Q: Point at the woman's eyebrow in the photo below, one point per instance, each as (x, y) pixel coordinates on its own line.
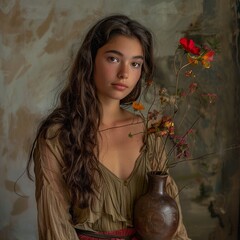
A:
(120, 54)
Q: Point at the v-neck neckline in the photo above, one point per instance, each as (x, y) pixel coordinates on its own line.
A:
(126, 180)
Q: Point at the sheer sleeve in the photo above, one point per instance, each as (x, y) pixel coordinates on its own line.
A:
(52, 196)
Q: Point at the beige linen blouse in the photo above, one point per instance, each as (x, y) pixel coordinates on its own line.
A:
(113, 207)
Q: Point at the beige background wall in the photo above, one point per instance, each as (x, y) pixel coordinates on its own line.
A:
(36, 44)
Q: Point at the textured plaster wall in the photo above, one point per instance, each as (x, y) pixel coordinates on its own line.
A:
(37, 40)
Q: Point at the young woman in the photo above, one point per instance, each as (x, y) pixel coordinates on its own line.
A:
(88, 171)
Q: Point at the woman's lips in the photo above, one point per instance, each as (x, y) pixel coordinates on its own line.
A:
(119, 86)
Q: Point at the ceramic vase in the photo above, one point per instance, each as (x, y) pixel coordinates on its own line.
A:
(156, 214)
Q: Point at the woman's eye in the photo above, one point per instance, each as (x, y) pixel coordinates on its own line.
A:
(113, 59)
(136, 64)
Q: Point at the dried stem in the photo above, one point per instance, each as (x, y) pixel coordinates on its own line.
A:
(204, 156)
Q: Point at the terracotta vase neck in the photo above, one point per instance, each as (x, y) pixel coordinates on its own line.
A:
(157, 182)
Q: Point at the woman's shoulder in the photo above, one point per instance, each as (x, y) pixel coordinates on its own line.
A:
(49, 136)
(53, 131)
(50, 140)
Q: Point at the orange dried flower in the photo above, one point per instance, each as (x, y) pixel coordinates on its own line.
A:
(137, 106)
(207, 58)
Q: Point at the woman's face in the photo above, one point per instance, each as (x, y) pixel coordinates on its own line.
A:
(118, 67)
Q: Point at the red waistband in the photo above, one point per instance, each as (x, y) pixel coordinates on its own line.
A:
(128, 233)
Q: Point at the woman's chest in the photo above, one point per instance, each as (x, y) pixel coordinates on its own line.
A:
(118, 151)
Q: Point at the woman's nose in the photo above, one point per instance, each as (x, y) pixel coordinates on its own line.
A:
(123, 72)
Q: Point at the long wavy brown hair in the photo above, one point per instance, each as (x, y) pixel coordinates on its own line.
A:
(78, 113)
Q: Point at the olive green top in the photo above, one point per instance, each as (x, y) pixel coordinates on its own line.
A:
(111, 210)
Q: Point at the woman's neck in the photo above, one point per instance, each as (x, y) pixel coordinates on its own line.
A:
(113, 115)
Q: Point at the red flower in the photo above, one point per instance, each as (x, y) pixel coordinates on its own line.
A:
(182, 147)
(183, 93)
(189, 46)
(193, 87)
(149, 82)
(189, 73)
